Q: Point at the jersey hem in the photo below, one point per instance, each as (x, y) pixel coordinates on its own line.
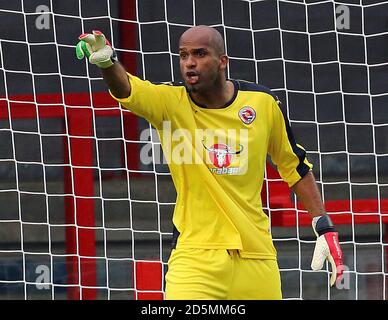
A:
(228, 246)
(192, 245)
(259, 256)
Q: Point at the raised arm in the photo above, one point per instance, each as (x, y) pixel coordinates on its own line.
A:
(143, 98)
(99, 52)
(117, 80)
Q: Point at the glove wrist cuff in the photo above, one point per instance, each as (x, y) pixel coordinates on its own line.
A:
(110, 62)
(322, 225)
(105, 64)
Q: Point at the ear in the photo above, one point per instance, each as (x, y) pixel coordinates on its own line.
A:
(224, 60)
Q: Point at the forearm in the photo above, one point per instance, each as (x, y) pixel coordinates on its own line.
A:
(308, 194)
(327, 245)
(117, 80)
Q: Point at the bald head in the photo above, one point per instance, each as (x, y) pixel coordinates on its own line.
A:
(203, 35)
(202, 60)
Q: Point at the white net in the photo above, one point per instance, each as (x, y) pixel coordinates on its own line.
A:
(86, 200)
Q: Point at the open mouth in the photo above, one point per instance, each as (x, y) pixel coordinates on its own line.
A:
(192, 77)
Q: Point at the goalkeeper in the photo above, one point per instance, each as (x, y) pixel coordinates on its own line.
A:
(222, 246)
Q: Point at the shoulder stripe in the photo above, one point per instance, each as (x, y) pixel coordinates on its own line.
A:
(251, 86)
(171, 83)
(302, 167)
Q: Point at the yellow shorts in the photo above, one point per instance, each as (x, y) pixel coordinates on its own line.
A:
(220, 274)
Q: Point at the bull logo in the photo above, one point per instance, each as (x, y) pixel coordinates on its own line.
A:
(221, 155)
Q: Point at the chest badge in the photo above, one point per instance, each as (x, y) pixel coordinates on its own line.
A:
(247, 115)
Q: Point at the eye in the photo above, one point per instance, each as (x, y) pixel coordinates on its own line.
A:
(201, 53)
(183, 55)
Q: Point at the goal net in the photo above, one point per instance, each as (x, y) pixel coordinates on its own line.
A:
(86, 200)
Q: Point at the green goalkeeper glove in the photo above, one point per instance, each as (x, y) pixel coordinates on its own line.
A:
(96, 48)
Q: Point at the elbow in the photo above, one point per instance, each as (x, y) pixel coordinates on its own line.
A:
(121, 93)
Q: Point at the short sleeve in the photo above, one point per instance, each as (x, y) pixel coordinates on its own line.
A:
(146, 100)
(289, 157)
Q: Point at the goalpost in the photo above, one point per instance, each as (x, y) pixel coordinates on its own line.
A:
(86, 200)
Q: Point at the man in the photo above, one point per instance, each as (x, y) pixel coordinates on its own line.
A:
(222, 243)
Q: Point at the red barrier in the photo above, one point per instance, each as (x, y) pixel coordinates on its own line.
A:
(149, 277)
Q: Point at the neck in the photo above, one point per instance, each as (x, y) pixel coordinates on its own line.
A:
(216, 96)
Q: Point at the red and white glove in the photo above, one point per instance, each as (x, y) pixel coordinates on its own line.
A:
(327, 247)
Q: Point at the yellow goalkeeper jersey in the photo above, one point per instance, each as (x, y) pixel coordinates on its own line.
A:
(217, 159)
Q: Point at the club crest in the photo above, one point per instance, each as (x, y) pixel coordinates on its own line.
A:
(247, 115)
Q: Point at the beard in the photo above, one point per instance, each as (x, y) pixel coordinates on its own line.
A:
(191, 88)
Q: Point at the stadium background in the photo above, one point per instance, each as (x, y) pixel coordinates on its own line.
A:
(87, 224)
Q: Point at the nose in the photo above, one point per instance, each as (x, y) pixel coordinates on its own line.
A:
(190, 61)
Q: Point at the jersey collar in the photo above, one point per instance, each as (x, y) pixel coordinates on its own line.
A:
(235, 84)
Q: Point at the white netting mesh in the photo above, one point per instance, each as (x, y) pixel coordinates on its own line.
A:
(86, 200)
